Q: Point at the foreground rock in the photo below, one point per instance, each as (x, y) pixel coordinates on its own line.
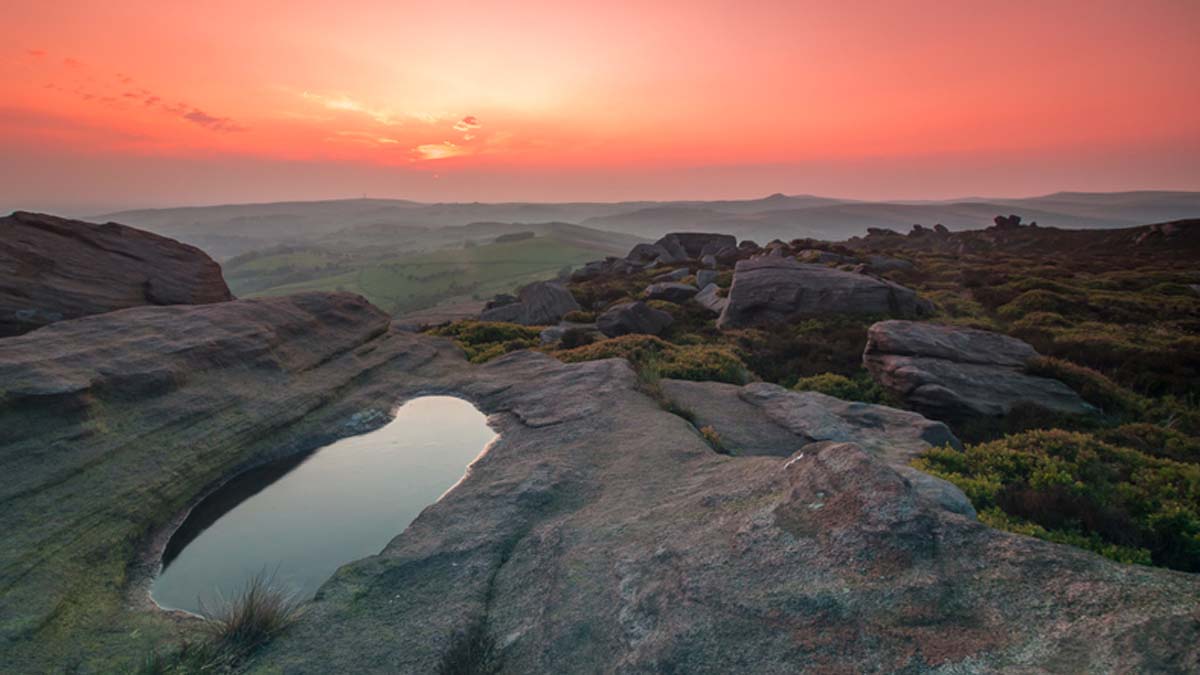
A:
(955, 373)
(538, 304)
(53, 269)
(633, 317)
(775, 289)
(599, 533)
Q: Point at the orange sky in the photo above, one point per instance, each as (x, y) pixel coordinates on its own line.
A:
(132, 103)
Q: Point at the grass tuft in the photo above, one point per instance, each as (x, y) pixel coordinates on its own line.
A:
(258, 612)
(232, 631)
(472, 651)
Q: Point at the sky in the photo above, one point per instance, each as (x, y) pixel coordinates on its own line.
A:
(149, 103)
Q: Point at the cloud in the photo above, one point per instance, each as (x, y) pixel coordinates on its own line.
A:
(210, 122)
(96, 92)
(467, 124)
(347, 104)
(366, 137)
(35, 53)
(442, 150)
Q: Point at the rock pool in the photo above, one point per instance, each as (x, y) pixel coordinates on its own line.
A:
(299, 520)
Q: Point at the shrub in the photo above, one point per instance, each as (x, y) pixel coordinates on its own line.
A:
(580, 316)
(1155, 440)
(1077, 487)
(1091, 385)
(784, 353)
(1040, 300)
(485, 340)
(860, 388)
(682, 362)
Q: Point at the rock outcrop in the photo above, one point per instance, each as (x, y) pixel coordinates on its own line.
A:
(678, 247)
(538, 304)
(599, 533)
(53, 269)
(699, 244)
(955, 373)
(778, 289)
(633, 317)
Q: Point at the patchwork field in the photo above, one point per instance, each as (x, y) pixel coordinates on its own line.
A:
(409, 282)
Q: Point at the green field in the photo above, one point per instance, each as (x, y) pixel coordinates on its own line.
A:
(409, 282)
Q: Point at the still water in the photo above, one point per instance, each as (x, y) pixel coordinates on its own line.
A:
(299, 520)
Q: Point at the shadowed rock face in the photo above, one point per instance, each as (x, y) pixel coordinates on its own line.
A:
(633, 317)
(53, 269)
(778, 289)
(955, 373)
(599, 533)
(538, 304)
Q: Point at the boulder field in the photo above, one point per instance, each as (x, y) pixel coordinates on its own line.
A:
(54, 268)
(599, 533)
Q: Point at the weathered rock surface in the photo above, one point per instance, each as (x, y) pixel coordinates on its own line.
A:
(710, 298)
(599, 533)
(538, 304)
(673, 275)
(54, 268)
(671, 292)
(633, 317)
(955, 373)
(777, 289)
(705, 277)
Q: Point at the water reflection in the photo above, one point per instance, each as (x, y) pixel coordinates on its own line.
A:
(302, 519)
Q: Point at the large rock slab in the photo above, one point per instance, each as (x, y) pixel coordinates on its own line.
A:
(541, 303)
(774, 289)
(53, 269)
(598, 533)
(954, 373)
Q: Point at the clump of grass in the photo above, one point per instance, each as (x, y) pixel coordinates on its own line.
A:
(232, 630)
(252, 617)
(713, 438)
(472, 651)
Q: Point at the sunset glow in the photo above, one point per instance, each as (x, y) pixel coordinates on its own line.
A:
(106, 103)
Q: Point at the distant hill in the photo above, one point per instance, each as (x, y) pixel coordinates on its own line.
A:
(225, 231)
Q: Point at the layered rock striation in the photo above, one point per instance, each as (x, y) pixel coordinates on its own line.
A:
(53, 269)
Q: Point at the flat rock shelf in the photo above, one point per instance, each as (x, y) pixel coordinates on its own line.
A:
(299, 519)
